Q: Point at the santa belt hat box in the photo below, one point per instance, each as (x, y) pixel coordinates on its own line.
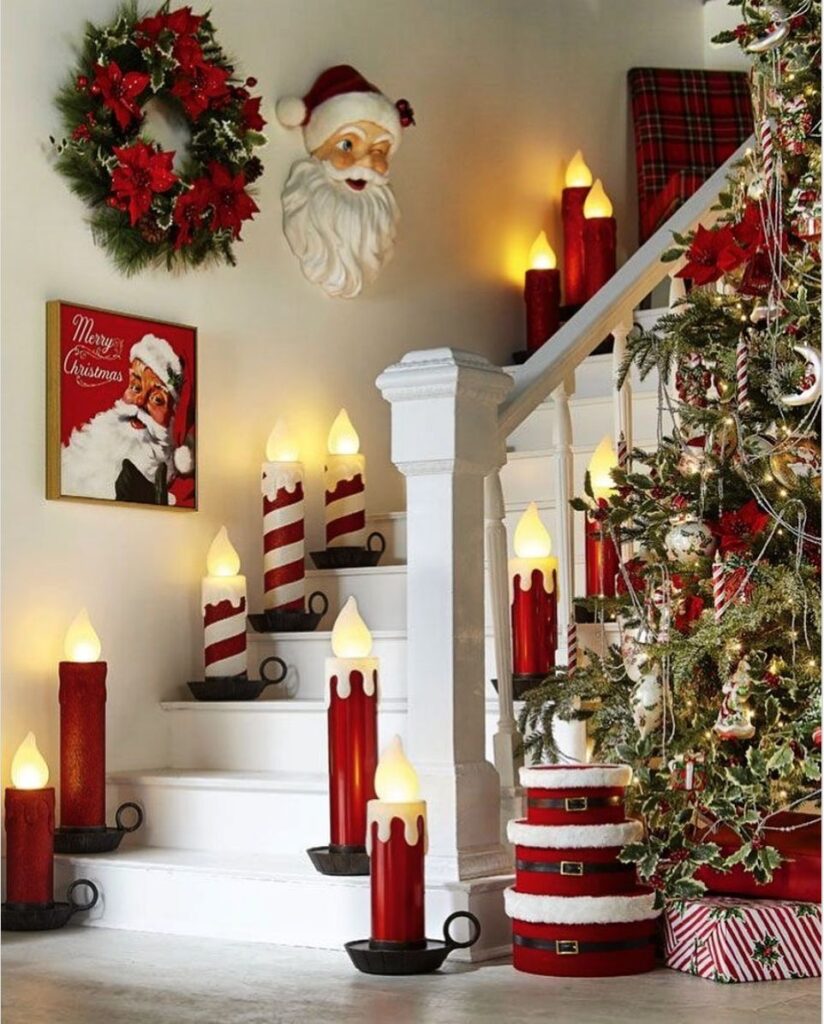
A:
(591, 794)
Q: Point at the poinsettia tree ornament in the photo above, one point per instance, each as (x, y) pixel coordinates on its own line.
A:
(144, 210)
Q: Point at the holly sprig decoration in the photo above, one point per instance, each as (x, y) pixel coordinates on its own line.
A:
(148, 206)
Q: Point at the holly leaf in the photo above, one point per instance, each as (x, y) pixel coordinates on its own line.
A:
(781, 760)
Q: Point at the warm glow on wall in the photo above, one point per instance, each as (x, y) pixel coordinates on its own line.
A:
(281, 445)
(532, 538)
(603, 461)
(222, 559)
(343, 438)
(578, 175)
(82, 643)
(597, 202)
(28, 767)
(350, 636)
(396, 781)
(542, 255)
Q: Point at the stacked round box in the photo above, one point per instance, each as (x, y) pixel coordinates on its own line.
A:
(576, 910)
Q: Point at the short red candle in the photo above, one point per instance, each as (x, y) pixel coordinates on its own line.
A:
(572, 218)
(600, 236)
(534, 624)
(82, 697)
(601, 556)
(397, 883)
(30, 845)
(542, 295)
(353, 747)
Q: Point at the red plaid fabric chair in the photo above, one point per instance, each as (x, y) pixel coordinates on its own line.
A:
(686, 125)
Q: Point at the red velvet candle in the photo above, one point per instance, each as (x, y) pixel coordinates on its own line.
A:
(29, 828)
(397, 846)
(534, 598)
(542, 295)
(352, 680)
(601, 558)
(599, 239)
(572, 219)
(82, 697)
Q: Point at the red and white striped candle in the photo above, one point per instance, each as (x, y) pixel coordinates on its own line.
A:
(284, 586)
(719, 592)
(623, 454)
(742, 371)
(345, 486)
(223, 601)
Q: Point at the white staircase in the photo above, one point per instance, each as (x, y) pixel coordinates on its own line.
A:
(243, 791)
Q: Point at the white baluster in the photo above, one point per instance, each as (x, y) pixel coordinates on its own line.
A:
(677, 290)
(507, 740)
(570, 737)
(622, 397)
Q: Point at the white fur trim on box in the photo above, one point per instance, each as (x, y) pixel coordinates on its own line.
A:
(330, 116)
(574, 837)
(524, 906)
(589, 776)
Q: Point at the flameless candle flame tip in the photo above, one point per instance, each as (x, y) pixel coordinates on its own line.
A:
(597, 203)
(542, 255)
(343, 438)
(222, 559)
(281, 446)
(396, 781)
(578, 175)
(28, 767)
(350, 636)
(603, 461)
(82, 642)
(532, 538)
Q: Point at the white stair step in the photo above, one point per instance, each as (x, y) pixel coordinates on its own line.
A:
(379, 590)
(259, 898)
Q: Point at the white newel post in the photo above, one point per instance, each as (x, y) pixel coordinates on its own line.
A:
(445, 442)
(570, 737)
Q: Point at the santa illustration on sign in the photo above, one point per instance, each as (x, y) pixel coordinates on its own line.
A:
(135, 450)
(339, 213)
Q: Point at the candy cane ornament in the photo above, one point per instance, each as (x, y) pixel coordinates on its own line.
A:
(284, 583)
(742, 361)
(718, 588)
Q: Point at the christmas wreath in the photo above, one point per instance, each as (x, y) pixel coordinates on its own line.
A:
(146, 208)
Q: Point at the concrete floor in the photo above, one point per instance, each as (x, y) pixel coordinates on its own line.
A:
(91, 975)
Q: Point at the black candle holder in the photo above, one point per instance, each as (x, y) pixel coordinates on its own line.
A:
(350, 557)
(44, 917)
(97, 839)
(523, 682)
(409, 957)
(340, 860)
(223, 688)
(291, 621)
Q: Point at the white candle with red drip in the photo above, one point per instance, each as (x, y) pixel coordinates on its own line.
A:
(534, 596)
(396, 842)
(284, 580)
(345, 486)
(223, 601)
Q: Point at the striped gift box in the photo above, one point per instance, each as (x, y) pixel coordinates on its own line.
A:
(728, 939)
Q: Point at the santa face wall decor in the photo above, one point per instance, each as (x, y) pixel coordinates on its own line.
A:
(340, 216)
(121, 408)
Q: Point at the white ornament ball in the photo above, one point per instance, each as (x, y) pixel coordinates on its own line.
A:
(634, 651)
(688, 539)
(647, 704)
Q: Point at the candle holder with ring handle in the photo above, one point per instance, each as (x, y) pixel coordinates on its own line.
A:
(273, 621)
(43, 917)
(97, 839)
(223, 688)
(350, 557)
(408, 957)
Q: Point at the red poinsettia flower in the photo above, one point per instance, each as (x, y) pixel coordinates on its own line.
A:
(141, 172)
(251, 114)
(749, 231)
(182, 22)
(635, 567)
(232, 203)
(736, 530)
(189, 210)
(711, 255)
(188, 53)
(687, 609)
(199, 86)
(120, 91)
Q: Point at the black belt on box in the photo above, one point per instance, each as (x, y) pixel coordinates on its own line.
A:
(574, 803)
(572, 868)
(572, 947)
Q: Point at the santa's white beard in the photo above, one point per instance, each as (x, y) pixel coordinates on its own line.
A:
(93, 458)
(341, 237)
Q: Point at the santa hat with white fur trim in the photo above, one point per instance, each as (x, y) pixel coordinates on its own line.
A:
(167, 366)
(341, 95)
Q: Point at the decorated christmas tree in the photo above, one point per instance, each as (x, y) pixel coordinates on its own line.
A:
(713, 692)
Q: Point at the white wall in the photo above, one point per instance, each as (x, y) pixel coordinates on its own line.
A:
(719, 17)
(504, 93)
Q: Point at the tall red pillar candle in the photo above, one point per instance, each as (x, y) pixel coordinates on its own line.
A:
(352, 694)
(601, 554)
(534, 604)
(600, 239)
(29, 828)
(578, 181)
(284, 587)
(397, 844)
(82, 699)
(542, 294)
(345, 486)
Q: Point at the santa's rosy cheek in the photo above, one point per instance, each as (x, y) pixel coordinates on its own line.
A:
(340, 160)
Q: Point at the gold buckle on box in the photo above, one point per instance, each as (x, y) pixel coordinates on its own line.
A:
(566, 947)
(575, 803)
(572, 867)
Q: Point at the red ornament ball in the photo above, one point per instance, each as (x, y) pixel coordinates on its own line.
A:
(82, 82)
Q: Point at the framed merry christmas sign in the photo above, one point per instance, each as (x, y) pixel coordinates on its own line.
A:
(121, 414)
